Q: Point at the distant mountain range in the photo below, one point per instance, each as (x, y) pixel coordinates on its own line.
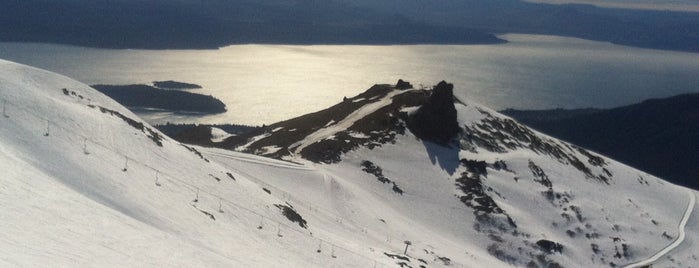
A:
(159, 24)
(660, 136)
(640, 28)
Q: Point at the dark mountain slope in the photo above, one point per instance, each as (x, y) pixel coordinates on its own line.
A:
(159, 24)
(640, 28)
(148, 97)
(283, 139)
(370, 119)
(660, 136)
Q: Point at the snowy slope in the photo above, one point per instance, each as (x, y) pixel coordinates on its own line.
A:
(684, 254)
(66, 199)
(503, 190)
(104, 189)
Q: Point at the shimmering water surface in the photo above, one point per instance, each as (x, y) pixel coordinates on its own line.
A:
(262, 84)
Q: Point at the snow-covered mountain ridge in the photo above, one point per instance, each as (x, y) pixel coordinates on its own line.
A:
(86, 183)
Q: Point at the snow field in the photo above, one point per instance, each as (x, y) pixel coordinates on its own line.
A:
(96, 191)
(83, 158)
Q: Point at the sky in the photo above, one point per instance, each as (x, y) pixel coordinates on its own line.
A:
(675, 5)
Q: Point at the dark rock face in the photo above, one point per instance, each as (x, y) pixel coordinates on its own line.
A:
(501, 135)
(436, 120)
(549, 246)
(291, 214)
(371, 168)
(403, 84)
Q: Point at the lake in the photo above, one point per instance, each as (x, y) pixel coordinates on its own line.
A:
(262, 84)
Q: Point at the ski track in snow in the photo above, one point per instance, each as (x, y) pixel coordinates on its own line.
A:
(285, 195)
(266, 162)
(680, 238)
(345, 123)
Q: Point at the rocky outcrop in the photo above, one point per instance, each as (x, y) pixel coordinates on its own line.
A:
(403, 85)
(436, 120)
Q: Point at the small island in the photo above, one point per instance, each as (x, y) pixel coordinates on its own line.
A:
(170, 84)
(149, 97)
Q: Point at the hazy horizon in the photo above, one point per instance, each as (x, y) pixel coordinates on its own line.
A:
(673, 5)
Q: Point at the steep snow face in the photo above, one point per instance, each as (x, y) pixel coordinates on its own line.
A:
(85, 182)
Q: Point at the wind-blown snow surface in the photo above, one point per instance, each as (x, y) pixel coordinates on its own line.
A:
(103, 189)
(66, 201)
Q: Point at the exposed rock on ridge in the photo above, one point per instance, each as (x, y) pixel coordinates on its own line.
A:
(436, 119)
